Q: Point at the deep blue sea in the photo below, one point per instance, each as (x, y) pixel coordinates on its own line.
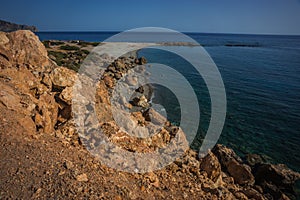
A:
(262, 82)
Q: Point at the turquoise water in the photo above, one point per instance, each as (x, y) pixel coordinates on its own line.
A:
(262, 81)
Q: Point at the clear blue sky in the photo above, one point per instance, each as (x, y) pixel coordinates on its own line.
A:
(211, 16)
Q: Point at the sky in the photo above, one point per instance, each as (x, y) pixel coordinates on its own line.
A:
(208, 16)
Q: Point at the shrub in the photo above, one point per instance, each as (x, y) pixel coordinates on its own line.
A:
(69, 48)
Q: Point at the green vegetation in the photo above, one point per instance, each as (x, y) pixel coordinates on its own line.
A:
(84, 44)
(49, 43)
(56, 42)
(85, 51)
(59, 57)
(69, 48)
(71, 60)
(46, 43)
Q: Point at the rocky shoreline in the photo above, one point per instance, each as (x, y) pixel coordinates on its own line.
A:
(43, 156)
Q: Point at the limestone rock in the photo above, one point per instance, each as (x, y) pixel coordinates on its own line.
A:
(23, 47)
(210, 164)
(276, 178)
(3, 38)
(62, 77)
(240, 172)
(140, 102)
(66, 95)
(49, 109)
(252, 194)
(141, 61)
(82, 178)
(233, 164)
(109, 81)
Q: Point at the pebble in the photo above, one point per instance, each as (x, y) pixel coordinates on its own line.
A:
(82, 178)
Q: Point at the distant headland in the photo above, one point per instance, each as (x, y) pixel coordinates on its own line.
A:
(9, 27)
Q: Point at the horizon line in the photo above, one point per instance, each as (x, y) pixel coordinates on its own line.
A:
(187, 32)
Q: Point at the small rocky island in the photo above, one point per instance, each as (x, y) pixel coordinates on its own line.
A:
(42, 156)
(9, 27)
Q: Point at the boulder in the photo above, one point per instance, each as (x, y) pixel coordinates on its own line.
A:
(233, 165)
(62, 77)
(210, 164)
(276, 178)
(154, 117)
(23, 47)
(140, 61)
(240, 172)
(119, 66)
(140, 102)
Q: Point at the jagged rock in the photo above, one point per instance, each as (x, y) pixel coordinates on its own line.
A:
(240, 195)
(152, 116)
(47, 81)
(119, 65)
(276, 178)
(66, 95)
(240, 172)
(49, 109)
(3, 38)
(210, 164)
(232, 164)
(252, 194)
(24, 47)
(62, 77)
(10, 100)
(140, 61)
(140, 102)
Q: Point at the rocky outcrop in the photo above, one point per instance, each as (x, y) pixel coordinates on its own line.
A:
(276, 180)
(232, 164)
(210, 164)
(9, 27)
(23, 48)
(23, 62)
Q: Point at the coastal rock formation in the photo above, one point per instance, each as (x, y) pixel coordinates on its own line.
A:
(23, 48)
(42, 156)
(234, 165)
(211, 165)
(9, 27)
(276, 179)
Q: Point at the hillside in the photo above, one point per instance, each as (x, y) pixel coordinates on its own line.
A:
(9, 27)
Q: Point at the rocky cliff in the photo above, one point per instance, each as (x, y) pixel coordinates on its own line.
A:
(42, 156)
(9, 27)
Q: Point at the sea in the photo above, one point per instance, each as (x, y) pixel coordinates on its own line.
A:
(261, 75)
